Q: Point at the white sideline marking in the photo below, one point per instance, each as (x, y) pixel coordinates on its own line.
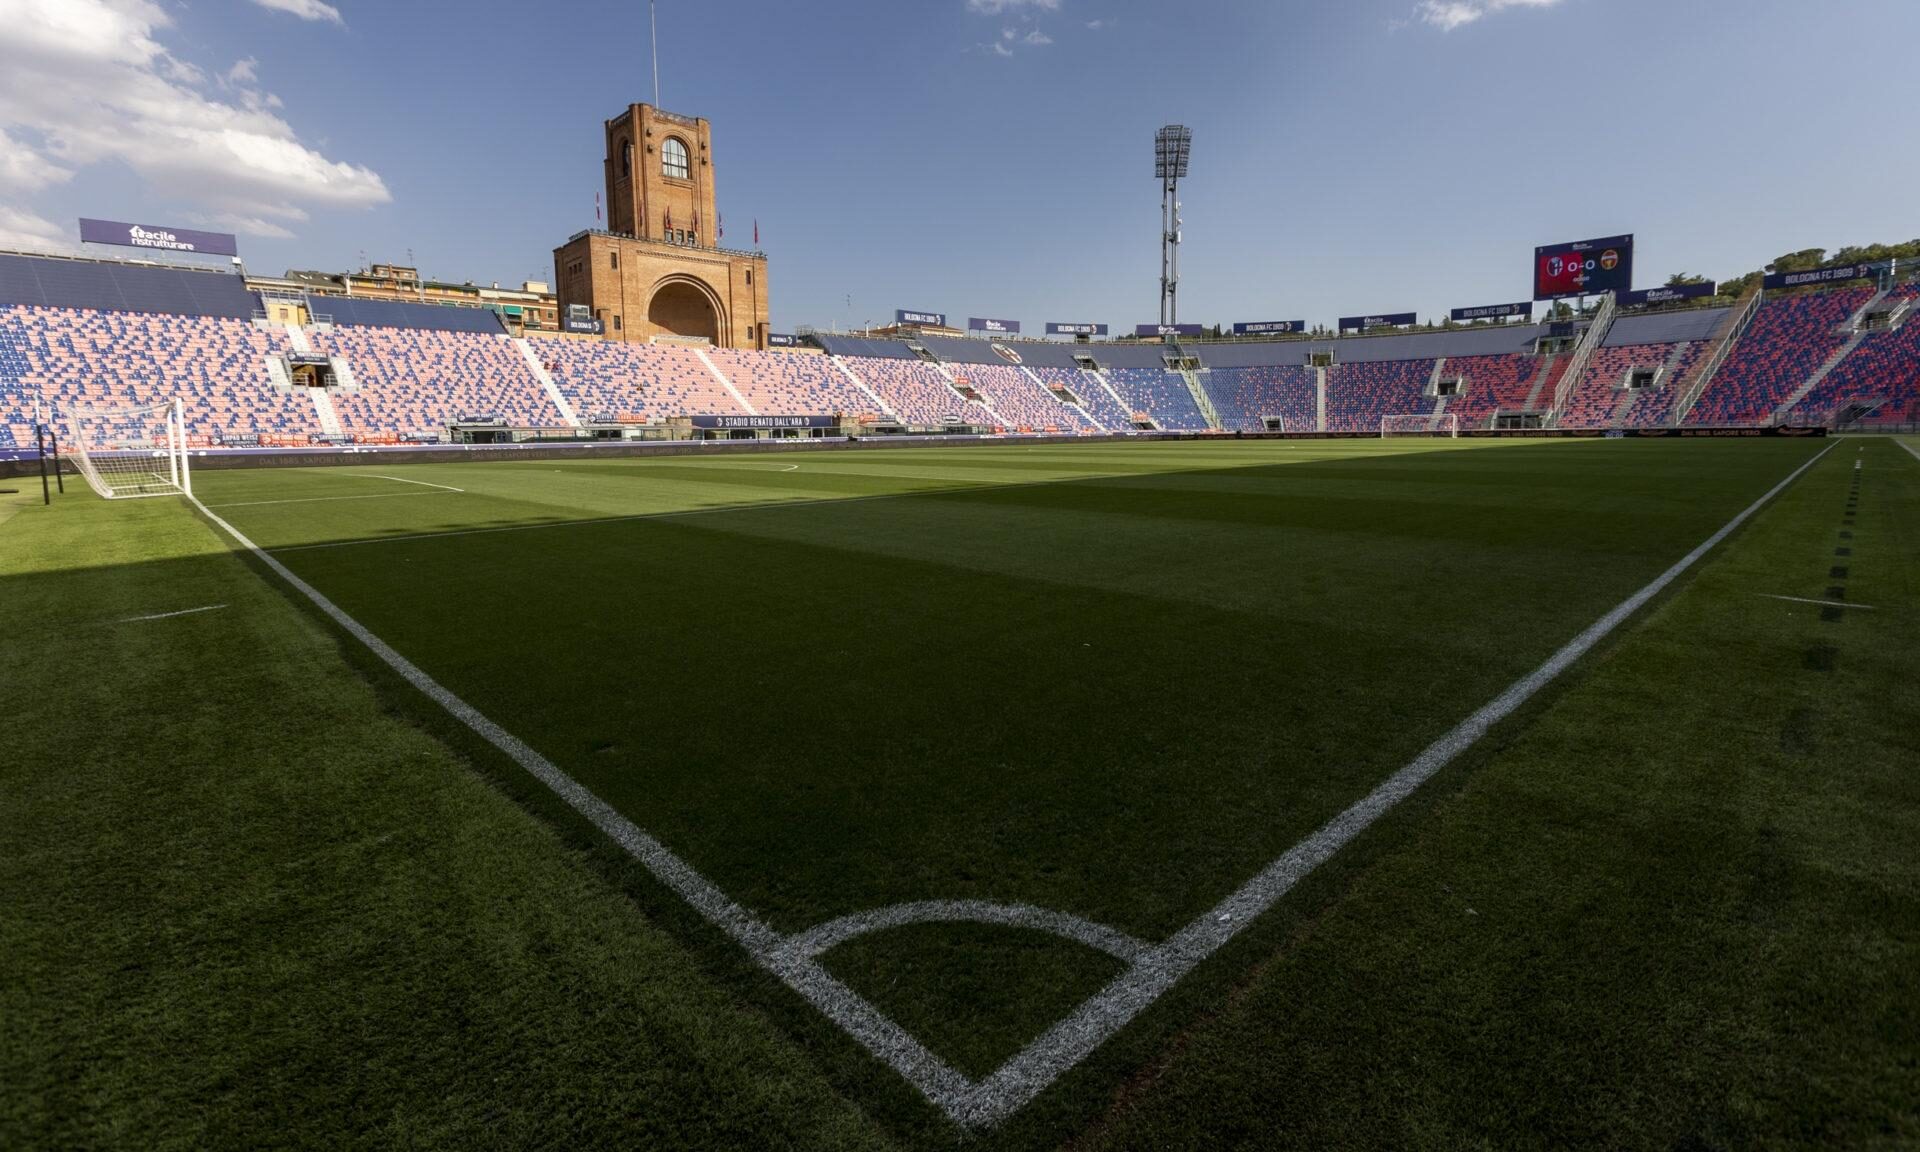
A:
(787, 467)
(171, 615)
(325, 499)
(1152, 969)
(1908, 447)
(1822, 603)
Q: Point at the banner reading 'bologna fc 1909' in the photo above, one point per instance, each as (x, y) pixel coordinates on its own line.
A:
(1583, 268)
(1779, 280)
(1055, 328)
(164, 239)
(1492, 312)
(1269, 327)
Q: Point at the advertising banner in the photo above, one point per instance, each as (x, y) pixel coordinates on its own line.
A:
(163, 239)
(1269, 327)
(1391, 320)
(1493, 311)
(999, 327)
(1057, 329)
(1168, 330)
(924, 319)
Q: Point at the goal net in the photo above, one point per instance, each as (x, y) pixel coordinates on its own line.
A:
(127, 452)
(1420, 424)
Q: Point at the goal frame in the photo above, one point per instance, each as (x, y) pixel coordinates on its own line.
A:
(174, 477)
(1421, 424)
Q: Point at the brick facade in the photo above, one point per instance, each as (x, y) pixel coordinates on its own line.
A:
(657, 269)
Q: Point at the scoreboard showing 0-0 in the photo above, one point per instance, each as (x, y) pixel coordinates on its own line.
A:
(1586, 268)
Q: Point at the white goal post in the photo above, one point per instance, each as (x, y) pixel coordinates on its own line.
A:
(1420, 424)
(129, 452)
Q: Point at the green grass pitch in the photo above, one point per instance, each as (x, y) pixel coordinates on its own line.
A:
(259, 885)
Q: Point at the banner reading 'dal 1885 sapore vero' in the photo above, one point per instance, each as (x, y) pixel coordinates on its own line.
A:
(163, 239)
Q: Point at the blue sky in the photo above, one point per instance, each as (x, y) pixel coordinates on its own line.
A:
(986, 157)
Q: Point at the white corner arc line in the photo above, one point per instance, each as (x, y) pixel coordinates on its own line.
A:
(1821, 603)
(1152, 972)
(171, 615)
(824, 937)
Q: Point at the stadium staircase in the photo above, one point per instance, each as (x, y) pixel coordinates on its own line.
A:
(1319, 399)
(1734, 326)
(1820, 375)
(1590, 343)
(1065, 397)
(878, 403)
(1201, 400)
(545, 377)
(1105, 385)
(1540, 381)
(724, 382)
(1433, 390)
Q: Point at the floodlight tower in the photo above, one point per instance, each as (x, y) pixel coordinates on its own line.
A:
(1172, 146)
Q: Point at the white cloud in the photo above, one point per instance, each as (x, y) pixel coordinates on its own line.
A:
(22, 229)
(1447, 15)
(88, 82)
(985, 7)
(1037, 38)
(305, 9)
(1096, 25)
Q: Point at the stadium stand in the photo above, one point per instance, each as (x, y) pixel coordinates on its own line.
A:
(1883, 373)
(1246, 397)
(76, 358)
(1491, 384)
(792, 384)
(1358, 395)
(632, 383)
(417, 381)
(1598, 398)
(917, 392)
(1085, 387)
(108, 286)
(401, 314)
(1161, 394)
(1025, 406)
(1788, 341)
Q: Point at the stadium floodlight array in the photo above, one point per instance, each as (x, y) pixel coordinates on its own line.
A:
(130, 452)
(1420, 424)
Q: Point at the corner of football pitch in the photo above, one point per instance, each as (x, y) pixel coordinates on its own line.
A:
(1338, 794)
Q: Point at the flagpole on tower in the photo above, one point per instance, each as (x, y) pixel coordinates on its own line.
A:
(653, 23)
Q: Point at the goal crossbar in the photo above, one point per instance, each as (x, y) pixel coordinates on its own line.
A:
(125, 453)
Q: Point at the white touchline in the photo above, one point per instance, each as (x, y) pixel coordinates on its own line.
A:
(1909, 448)
(1822, 603)
(171, 615)
(1152, 969)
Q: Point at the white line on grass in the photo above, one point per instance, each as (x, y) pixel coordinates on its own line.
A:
(326, 499)
(1908, 447)
(402, 480)
(1822, 603)
(1152, 971)
(171, 615)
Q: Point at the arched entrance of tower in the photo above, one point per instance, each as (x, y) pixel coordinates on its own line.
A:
(684, 308)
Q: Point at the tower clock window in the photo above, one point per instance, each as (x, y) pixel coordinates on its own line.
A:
(673, 158)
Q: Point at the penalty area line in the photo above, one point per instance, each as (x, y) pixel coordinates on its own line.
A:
(171, 615)
(1821, 603)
